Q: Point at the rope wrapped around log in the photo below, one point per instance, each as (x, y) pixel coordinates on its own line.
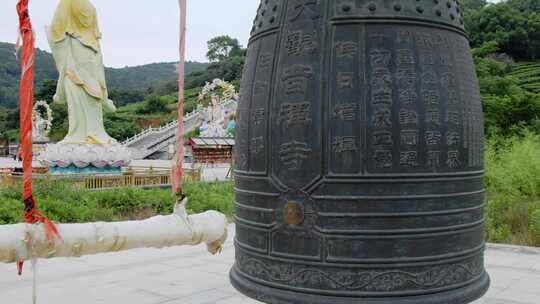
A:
(28, 241)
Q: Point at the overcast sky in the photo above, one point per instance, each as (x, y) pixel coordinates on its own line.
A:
(138, 32)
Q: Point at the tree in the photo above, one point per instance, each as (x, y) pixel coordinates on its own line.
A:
(47, 91)
(474, 4)
(516, 31)
(154, 104)
(529, 6)
(223, 47)
(9, 120)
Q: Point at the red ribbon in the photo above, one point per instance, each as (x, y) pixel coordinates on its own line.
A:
(178, 169)
(26, 103)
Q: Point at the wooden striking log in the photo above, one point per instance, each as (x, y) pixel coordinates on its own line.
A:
(26, 241)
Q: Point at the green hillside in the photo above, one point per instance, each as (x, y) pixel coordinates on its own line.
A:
(10, 73)
(527, 75)
(140, 78)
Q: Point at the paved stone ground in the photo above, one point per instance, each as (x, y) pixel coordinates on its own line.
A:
(189, 275)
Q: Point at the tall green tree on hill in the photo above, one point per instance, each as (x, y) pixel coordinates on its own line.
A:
(227, 59)
(513, 25)
(222, 48)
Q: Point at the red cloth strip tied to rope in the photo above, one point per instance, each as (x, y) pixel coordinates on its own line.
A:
(26, 99)
(177, 171)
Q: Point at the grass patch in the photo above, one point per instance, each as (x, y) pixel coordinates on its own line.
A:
(65, 205)
(513, 184)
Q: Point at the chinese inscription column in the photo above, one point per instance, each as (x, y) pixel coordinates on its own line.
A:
(297, 100)
(346, 103)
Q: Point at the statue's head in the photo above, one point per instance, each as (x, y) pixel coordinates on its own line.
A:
(77, 18)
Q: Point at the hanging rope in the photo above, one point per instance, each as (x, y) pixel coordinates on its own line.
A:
(26, 98)
(178, 169)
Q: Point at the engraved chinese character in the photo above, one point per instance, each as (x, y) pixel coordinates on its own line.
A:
(409, 137)
(433, 159)
(429, 78)
(408, 159)
(309, 42)
(433, 117)
(296, 79)
(299, 43)
(404, 36)
(258, 115)
(433, 138)
(346, 49)
(265, 60)
(257, 145)
(346, 111)
(295, 113)
(408, 117)
(430, 97)
(453, 117)
(453, 97)
(344, 144)
(407, 96)
(381, 79)
(294, 43)
(452, 138)
(345, 80)
(383, 159)
(453, 160)
(441, 40)
(380, 57)
(445, 60)
(427, 58)
(382, 119)
(405, 56)
(304, 6)
(383, 138)
(448, 80)
(382, 97)
(406, 77)
(425, 40)
(293, 154)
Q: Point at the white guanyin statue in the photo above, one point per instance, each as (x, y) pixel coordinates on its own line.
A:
(41, 126)
(215, 125)
(74, 40)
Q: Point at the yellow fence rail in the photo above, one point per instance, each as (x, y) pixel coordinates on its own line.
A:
(130, 179)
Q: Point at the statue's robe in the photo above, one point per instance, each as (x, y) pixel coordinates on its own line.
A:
(74, 40)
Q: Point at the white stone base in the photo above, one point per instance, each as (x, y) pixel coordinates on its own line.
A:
(85, 155)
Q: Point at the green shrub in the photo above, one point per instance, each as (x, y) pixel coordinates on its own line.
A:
(513, 166)
(513, 184)
(64, 204)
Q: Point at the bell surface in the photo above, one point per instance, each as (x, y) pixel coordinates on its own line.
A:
(359, 156)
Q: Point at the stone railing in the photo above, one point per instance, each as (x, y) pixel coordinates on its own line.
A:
(130, 179)
(153, 140)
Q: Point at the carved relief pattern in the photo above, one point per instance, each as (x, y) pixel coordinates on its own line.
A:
(421, 278)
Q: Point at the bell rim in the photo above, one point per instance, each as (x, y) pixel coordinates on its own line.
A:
(271, 295)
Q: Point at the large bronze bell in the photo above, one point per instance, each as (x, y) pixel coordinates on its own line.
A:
(359, 158)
